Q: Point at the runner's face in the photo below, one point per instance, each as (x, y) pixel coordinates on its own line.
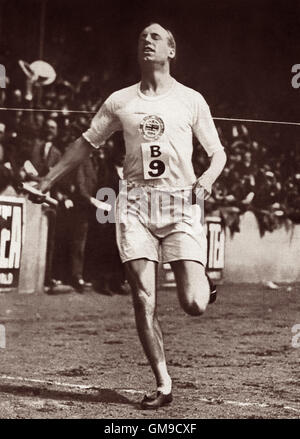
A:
(154, 45)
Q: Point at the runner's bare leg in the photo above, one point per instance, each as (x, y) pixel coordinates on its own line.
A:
(142, 276)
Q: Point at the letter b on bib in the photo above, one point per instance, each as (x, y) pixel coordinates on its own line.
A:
(155, 160)
(155, 150)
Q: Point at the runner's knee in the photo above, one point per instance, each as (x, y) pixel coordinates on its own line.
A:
(141, 293)
(143, 302)
(142, 290)
(143, 299)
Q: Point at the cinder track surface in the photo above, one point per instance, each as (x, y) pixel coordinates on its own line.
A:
(78, 356)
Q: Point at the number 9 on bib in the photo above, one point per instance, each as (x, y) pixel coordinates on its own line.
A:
(155, 160)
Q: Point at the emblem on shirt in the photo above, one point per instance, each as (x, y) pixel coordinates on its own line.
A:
(152, 127)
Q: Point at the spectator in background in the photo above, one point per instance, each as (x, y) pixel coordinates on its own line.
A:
(62, 235)
(2, 137)
(39, 121)
(86, 185)
(104, 264)
(5, 174)
(44, 152)
(5, 168)
(113, 274)
(44, 155)
(18, 151)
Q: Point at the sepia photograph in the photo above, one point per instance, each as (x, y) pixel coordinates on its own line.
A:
(149, 212)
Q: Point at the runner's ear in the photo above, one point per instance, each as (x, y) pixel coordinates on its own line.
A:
(172, 53)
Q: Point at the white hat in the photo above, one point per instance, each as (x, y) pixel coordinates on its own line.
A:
(39, 71)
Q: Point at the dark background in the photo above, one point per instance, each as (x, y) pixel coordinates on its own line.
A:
(237, 53)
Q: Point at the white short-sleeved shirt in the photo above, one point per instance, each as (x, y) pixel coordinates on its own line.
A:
(157, 132)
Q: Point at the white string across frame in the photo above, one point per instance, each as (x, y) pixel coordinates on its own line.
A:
(66, 112)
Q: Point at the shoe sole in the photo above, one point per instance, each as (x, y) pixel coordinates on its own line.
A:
(144, 405)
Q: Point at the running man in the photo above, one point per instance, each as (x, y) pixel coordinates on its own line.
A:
(158, 117)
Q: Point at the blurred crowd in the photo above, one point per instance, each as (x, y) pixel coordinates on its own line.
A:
(31, 142)
(262, 174)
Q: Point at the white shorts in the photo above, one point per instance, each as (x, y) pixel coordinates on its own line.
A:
(160, 225)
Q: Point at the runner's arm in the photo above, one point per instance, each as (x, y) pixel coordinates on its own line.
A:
(218, 161)
(74, 155)
(206, 132)
(103, 125)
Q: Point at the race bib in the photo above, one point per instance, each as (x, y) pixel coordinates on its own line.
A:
(155, 160)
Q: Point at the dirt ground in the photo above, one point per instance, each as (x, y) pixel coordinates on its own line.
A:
(78, 356)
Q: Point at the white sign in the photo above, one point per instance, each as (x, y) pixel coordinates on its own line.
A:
(11, 238)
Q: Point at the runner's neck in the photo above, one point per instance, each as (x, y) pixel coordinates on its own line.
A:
(156, 83)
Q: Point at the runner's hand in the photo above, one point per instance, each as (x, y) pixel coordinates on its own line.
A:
(36, 199)
(44, 185)
(36, 196)
(203, 187)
